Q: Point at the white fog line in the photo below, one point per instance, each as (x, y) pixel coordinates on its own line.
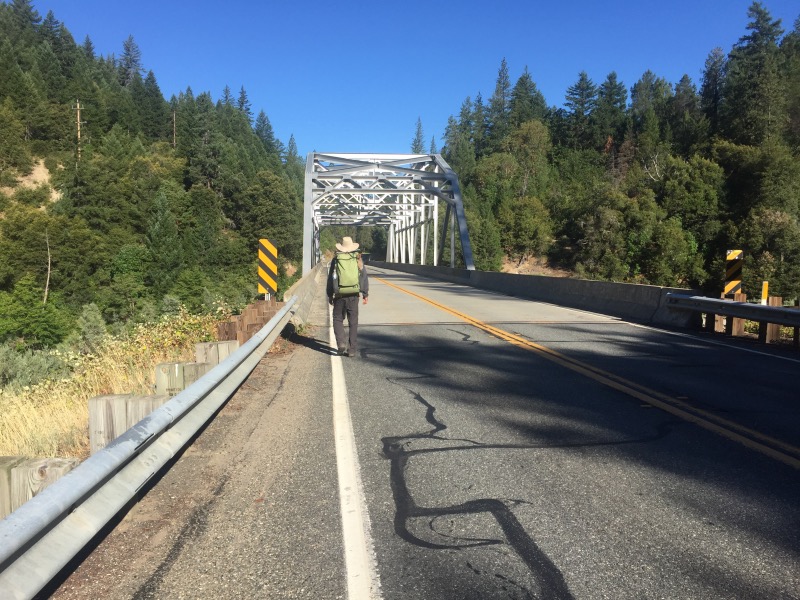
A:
(362, 574)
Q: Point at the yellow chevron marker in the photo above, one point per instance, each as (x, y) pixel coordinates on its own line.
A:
(267, 267)
(733, 271)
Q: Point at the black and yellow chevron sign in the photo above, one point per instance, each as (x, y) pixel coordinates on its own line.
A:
(733, 272)
(267, 267)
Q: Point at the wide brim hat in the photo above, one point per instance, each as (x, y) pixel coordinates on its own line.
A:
(347, 245)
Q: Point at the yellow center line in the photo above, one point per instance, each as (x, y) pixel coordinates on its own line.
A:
(750, 438)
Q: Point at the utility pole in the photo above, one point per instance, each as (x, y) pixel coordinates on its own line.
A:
(77, 109)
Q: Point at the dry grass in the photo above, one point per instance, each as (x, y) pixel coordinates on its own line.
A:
(51, 419)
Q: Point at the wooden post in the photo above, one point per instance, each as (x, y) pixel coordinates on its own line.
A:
(733, 325)
(173, 378)
(7, 463)
(32, 475)
(112, 415)
(774, 329)
(214, 353)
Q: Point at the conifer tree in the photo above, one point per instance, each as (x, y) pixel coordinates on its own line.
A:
(711, 88)
(227, 97)
(243, 104)
(609, 115)
(479, 126)
(418, 143)
(263, 129)
(499, 106)
(790, 49)
(685, 118)
(580, 101)
(527, 102)
(130, 65)
(754, 108)
(154, 109)
(88, 48)
(25, 19)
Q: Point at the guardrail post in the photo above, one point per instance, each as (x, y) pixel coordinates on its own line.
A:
(214, 353)
(173, 378)
(769, 333)
(29, 476)
(112, 415)
(734, 326)
(7, 463)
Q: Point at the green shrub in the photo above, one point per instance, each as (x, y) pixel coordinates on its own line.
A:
(29, 367)
(36, 197)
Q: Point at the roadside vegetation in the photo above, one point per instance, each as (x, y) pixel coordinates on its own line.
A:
(44, 394)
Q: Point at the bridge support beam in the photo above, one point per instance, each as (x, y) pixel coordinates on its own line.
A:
(402, 192)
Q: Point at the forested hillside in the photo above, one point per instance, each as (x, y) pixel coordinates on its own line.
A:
(149, 204)
(649, 187)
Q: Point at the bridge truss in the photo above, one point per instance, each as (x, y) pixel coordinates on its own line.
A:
(403, 192)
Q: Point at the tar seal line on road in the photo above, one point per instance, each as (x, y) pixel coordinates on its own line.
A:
(362, 575)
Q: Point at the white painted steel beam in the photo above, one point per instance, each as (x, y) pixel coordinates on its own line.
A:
(403, 192)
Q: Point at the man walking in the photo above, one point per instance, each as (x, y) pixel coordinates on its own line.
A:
(347, 279)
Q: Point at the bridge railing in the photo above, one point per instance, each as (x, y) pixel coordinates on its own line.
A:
(759, 313)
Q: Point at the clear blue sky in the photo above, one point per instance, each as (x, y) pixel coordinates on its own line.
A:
(354, 76)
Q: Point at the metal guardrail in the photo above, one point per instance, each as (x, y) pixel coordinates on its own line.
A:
(43, 535)
(779, 315)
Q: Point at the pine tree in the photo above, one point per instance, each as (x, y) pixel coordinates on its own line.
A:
(479, 126)
(154, 110)
(418, 143)
(580, 101)
(790, 49)
(263, 129)
(498, 123)
(295, 166)
(130, 65)
(527, 103)
(685, 117)
(711, 88)
(243, 104)
(88, 48)
(609, 114)
(25, 21)
(466, 124)
(227, 97)
(48, 29)
(754, 108)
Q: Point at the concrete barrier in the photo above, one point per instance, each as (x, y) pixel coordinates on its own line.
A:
(632, 302)
(305, 289)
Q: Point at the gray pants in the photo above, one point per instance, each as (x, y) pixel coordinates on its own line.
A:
(347, 305)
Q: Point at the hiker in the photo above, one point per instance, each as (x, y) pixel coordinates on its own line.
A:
(347, 279)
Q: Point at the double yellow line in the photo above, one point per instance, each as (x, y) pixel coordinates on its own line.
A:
(769, 446)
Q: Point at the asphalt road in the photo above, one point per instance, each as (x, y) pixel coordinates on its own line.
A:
(506, 449)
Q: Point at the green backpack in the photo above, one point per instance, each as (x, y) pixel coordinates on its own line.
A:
(347, 273)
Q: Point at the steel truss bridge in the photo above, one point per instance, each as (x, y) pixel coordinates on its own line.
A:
(405, 193)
